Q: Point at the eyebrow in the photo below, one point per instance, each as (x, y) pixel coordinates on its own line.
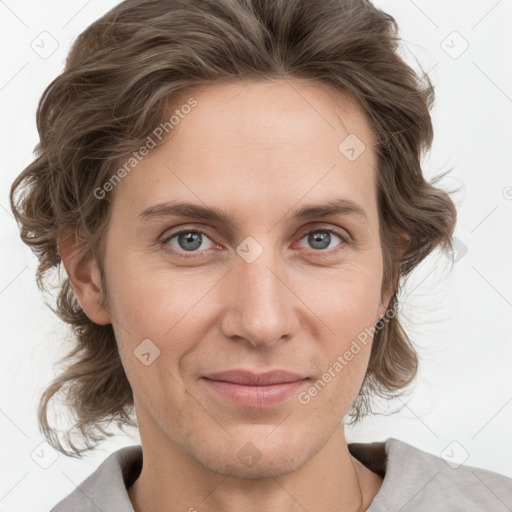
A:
(183, 209)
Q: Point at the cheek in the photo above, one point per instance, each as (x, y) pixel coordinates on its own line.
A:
(348, 307)
(152, 301)
(171, 309)
(349, 300)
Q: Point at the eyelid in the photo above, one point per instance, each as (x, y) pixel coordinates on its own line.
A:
(343, 234)
(318, 225)
(164, 239)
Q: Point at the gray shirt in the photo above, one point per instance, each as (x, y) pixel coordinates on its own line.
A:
(414, 481)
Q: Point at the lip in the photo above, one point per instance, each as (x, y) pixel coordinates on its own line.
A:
(249, 378)
(254, 390)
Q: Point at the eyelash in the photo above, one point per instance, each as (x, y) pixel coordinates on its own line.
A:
(198, 254)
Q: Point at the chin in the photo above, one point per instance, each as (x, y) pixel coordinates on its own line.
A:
(253, 456)
(270, 466)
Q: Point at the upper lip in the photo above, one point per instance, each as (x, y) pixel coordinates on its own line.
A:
(256, 379)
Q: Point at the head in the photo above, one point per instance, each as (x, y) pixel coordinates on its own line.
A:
(268, 109)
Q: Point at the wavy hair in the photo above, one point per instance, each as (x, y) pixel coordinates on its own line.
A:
(121, 75)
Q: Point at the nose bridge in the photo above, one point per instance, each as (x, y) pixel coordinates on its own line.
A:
(263, 303)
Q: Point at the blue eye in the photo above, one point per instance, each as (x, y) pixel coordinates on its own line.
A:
(320, 239)
(192, 241)
(188, 240)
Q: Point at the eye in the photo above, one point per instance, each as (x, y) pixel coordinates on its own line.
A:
(187, 240)
(322, 239)
(191, 243)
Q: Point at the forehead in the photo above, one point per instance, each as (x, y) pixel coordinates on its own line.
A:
(271, 118)
(260, 143)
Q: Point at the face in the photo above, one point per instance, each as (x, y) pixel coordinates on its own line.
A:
(259, 290)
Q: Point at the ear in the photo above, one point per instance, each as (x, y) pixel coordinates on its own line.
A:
(85, 278)
(403, 241)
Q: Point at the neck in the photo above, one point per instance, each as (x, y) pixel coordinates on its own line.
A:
(171, 480)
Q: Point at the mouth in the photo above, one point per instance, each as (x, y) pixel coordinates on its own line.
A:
(248, 389)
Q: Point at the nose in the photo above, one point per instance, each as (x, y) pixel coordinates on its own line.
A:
(262, 306)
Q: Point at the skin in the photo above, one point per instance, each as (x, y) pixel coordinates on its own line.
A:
(259, 151)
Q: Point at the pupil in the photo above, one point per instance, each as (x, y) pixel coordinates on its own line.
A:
(190, 241)
(320, 240)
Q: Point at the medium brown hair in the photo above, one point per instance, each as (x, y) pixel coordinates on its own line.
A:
(122, 74)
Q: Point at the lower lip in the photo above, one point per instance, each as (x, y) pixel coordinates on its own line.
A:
(255, 396)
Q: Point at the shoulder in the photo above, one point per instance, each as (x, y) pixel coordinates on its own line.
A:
(106, 488)
(418, 481)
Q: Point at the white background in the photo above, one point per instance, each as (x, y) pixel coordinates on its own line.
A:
(459, 319)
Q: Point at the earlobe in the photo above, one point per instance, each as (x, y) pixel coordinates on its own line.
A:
(85, 279)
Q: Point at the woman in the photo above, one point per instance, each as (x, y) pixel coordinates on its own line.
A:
(234, 189)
